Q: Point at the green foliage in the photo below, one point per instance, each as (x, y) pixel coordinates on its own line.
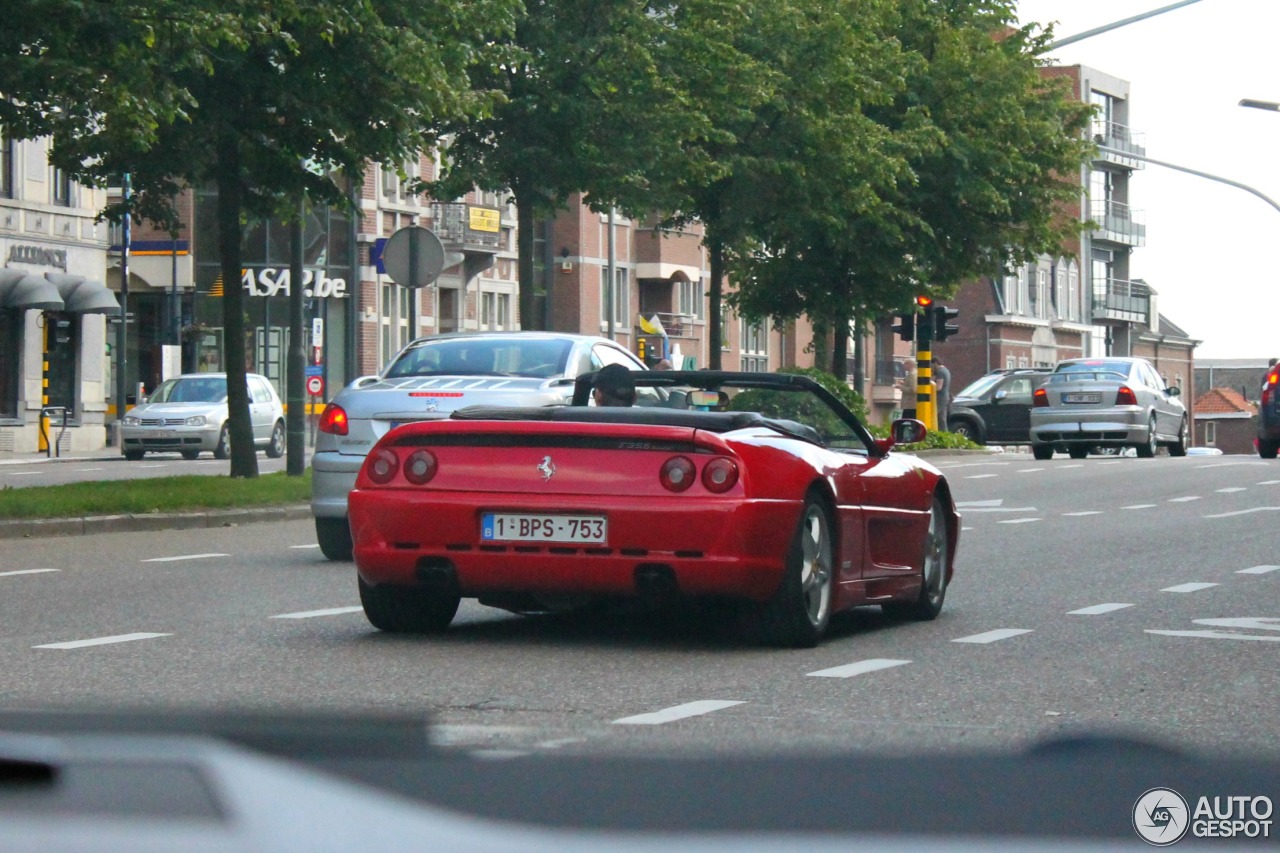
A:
(934, 440)
(843, 392)
(162, 494)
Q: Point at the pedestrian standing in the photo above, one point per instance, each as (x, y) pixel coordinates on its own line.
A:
(942, 384)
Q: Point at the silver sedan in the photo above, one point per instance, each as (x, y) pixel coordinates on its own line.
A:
(430, 378)
(1107, 402)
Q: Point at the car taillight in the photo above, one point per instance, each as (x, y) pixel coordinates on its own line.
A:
(1040, 399)
(1125, 396)
(677, 474)
(333, 420)
(720, 475)
(382, 466)
(420, 467)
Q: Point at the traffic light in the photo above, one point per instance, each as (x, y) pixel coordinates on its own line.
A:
(62, 331)
(942, 327)
(906, 326)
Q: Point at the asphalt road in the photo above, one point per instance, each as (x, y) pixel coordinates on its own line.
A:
(1115, 595)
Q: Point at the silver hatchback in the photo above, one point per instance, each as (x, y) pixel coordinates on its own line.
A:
(1091, 403)
(430, 378)
(187, 414)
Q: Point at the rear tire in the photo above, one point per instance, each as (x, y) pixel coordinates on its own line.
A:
(1267, 449)
(1042, 451)
(334, 536)
(136, 455)
(798, 613)
(933, 574)
(1179, 447)
(1077, 452)
(408, 609)
(190, 454)
(1147, 450)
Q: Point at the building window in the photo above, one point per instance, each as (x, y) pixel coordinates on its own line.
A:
(6, 166)
(755, 346)
(1210, 433)
(61, 188)
(394, 320)
(495, 310)
(1023, 362)
(621, 296)
(1073, 293)
(1010, 363)
(691, 300)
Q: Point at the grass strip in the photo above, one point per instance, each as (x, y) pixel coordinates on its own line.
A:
(160, 494)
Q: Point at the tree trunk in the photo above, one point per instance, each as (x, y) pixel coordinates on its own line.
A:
(529, 315)
(840, 351)
(715, 330)
(244, 458)
(821, 344)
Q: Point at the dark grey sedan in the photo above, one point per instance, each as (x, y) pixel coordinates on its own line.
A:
(1107, 402)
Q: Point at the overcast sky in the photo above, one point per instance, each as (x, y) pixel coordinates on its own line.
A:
(1211, 249)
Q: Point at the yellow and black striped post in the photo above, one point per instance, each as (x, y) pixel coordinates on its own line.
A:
(43, 445)
(926, 411)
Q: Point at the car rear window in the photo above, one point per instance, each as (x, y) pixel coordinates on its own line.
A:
(1095, 365)
(482, 356)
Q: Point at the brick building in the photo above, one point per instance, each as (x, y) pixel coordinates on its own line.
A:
(1225, 420)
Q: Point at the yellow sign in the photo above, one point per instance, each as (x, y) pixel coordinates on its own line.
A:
(484, 219)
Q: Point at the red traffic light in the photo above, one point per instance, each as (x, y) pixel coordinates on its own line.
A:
(924, 301)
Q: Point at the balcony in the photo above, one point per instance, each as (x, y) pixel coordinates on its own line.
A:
(1117, 300)
(1118, 223)
(677, 326)
(1121, 141)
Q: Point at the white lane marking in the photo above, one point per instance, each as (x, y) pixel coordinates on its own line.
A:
(1084, 512)
(1019, 520)
(307, 614)
(999, 509)
(863, 666)
(183, 557)
(21, 473)
(77, 470)
(1257, 570)
(27, 572)
(1230, 489)
(980, 476)
(1139, 506)
(1189, 587)
(994, 502)
(100, 641)
(1184, 500)
(1028, 470)
(299, 547)
(1229, 464)
(1097, 609)
(1110, 462)
(155, 465)
(993, 636)
(1065, 467)
(1245, 511)
(971, 465)
(965, 528)
(1269, 483)
(1216, 635)
(678, 712)
(1257, 623)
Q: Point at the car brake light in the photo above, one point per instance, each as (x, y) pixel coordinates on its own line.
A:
(1040, 399)
(420, 467)
(720, 475)
(382, 466)
(1125, 396)
(333, 420)
(677, 474)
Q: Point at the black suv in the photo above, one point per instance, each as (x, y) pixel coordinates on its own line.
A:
(996, 409)
(1269, 414)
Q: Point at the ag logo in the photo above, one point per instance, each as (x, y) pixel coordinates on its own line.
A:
(1161, 817)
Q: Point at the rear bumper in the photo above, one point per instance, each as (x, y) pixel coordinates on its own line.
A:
(710, 547)
(1112, 428)
(333, 476)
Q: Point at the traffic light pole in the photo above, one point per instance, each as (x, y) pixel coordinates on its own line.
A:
(925, 410)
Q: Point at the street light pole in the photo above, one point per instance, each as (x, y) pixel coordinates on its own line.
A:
(1117, 24)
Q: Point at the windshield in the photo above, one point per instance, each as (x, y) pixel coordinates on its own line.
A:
(981, 386)
(482, 356)
(211, 389)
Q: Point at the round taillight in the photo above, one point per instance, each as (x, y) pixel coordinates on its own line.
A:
(420, 467)
(333, 420)
(720, 475)
(677, 474)
(382, 466)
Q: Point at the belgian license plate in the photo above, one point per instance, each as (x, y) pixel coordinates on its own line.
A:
(157, 433)
(526, 527)
(1082, 398)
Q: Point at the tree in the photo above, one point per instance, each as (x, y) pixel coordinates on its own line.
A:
(240, 95)
(993, 148)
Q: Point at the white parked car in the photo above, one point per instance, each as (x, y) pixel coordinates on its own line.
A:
(187, 414)
(428, 380)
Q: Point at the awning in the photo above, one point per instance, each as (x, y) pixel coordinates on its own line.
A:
(668, 272)
(83, 296)
(21, 289)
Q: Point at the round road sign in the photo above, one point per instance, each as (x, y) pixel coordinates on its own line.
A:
(413, 256)
(315, 385)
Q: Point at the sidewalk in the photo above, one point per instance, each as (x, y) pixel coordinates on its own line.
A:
(106, 454)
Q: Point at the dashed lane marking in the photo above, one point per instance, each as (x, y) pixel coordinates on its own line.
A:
(678, 712)
(78, 470)
(307, 614)
(1257, 570)
(1110, 462)
(1019, 520)
(849, 670)
(1216, 635)
(1244, 511)
(1184, 500)
(301, 547)
(1269, 483)
(1028, 470)
(100, 641)
(1084, 512)
(1139, 506)
(26, 572)
(1098, 609)
(1065, 467)
(980, 476)
(1230, 489)
(183, 557)
(993, 636)
(1189, 587)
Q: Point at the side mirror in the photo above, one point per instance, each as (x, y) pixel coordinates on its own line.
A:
(999, 395)
(903, 431)
(1174, 391)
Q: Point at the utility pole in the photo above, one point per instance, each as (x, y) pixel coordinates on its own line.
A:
(122, 330)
